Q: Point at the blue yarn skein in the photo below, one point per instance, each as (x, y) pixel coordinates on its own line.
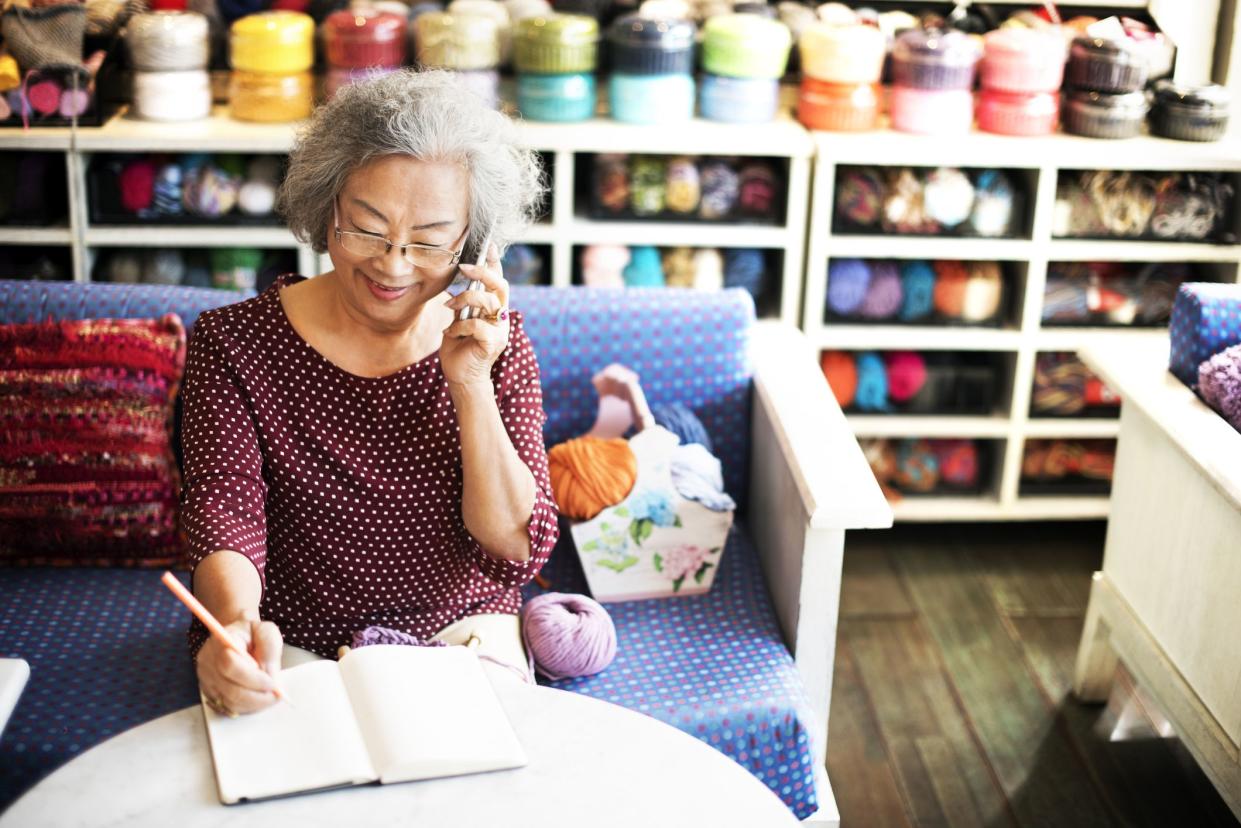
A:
(872, 383)
(847, 283)
(744, 268)
(522, 265)
(682, 422)
(644, 269)
(918, 287)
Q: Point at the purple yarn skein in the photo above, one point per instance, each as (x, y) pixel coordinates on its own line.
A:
(1219, 382)
(883, 298)
(568, 635)
(847, 282)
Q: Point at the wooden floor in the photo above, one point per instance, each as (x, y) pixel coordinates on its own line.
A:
(951, 702)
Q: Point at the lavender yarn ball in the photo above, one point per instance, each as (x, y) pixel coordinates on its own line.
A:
(1219, 382)
(883, 298)
(847, 283)
(567, 635)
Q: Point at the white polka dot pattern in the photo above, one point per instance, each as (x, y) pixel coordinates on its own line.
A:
(345, 491)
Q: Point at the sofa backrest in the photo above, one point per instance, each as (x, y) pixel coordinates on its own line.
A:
(687, 346)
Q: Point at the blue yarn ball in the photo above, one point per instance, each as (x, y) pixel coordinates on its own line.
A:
(682, 422)
(744, 268)
(644, 269)
(522, 265)
(847, 283)
(872, 383)
(918, 289)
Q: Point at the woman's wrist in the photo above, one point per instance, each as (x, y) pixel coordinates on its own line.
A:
(471, 391)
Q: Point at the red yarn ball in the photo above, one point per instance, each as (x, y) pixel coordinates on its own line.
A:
(906, 374)
(44, 96)
(137, 185)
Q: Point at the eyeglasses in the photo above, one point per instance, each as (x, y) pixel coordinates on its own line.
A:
(427, 256)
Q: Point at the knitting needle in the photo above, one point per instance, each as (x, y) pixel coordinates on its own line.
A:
(213, 626)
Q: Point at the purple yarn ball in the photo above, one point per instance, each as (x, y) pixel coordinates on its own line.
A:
(884, 297)
(847, 283)
(568, 635)
(1219, 382)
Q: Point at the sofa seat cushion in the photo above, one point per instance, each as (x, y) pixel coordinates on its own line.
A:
(713, 666)
(107, 652)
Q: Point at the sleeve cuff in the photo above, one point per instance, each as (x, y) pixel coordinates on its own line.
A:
(543, 532)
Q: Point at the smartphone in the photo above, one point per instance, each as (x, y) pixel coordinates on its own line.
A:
(475, 284)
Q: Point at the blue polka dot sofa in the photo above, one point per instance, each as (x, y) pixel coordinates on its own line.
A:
(746, 667)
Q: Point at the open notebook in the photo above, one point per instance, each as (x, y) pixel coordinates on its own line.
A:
(383, 713)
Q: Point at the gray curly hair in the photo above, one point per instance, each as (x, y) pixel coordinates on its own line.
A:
(429, 116)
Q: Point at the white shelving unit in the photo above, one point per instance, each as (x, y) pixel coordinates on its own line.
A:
(1037, 162)
(567, 228)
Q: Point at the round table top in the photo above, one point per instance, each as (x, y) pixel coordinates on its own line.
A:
(590, 763)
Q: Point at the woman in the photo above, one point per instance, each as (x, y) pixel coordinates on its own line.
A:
(356, 454)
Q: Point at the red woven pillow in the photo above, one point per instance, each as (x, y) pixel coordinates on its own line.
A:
(87, 471)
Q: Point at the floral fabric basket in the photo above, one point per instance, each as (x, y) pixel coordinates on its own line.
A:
(655, 543)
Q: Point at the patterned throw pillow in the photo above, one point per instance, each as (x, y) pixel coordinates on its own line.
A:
(87, 472)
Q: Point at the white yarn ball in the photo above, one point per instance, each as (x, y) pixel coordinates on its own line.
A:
(163, 267)
(256, 198)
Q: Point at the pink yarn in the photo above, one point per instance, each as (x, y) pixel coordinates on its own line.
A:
(568, 635)
(1219, 381)
(906, 375)
(44, 96)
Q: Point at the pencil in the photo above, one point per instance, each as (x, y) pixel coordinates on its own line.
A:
(213, 626)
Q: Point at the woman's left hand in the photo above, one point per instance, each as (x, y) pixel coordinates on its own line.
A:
(471, 346)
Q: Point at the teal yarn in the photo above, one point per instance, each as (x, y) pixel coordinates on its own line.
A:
(744, 268)
(872, 383)
(644, 269)
(918, 289)
(682, 422)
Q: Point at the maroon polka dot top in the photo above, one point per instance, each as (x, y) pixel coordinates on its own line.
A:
(345, 491)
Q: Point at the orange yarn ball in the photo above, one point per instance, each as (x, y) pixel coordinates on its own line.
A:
(590, 474)
(951, 279)
(841, 373)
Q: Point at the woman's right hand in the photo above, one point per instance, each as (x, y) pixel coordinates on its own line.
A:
(234, 682)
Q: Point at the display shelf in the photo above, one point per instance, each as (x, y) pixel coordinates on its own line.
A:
(928, 425)
(838, 246)
(783, 137)
(666, 234)
(1071, 427)
(962, 509)
(841, 336)
(1106, 250)
(1037, 164)
(58, 235)
(217, 133)
(182, 236)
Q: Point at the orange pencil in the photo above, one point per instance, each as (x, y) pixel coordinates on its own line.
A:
(213, 626)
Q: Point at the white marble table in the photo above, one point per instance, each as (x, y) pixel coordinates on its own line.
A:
(591, 764)
(1166, 600)
(13, 675)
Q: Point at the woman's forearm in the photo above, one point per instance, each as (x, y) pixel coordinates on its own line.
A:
(499, 489)
(228, 584)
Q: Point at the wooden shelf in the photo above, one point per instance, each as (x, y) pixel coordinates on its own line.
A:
(928, 425)
(1071, 427)
(59, 235)
(1106, 250)
(934, 509)
(217, 133)
(1073, 339)
(181, 236)
(926, 247)
(983, 149)
(665, 234)
(840, 336)
(782, 138)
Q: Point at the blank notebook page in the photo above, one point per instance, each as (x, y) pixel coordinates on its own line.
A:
(312, 743)
(427, 712)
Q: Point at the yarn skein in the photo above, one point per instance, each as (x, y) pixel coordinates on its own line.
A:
(168, 41)
(884, 296)
(567, 635)
(590, 474)
(950, 281)
(906, 374)
(840, 371)
(917, 291)
(682, 422)
(872, 384)
(847, 283)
